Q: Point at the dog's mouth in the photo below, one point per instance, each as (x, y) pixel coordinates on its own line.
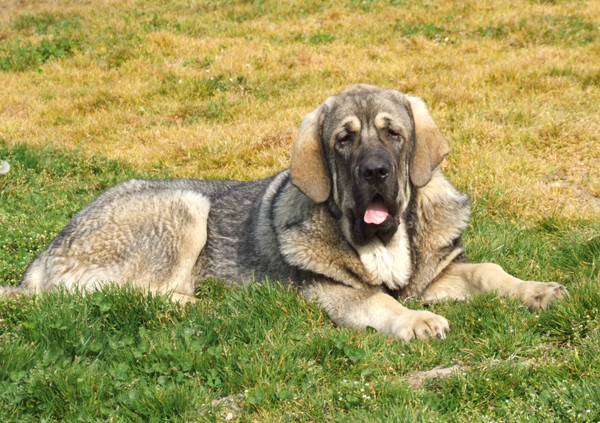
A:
(377, 211)
(379, 219)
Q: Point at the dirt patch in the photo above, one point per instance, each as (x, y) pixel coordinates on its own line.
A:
(578, 197)
(230, 406)
(418, 379)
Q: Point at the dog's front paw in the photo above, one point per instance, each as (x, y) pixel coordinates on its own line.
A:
(421, 324)
(539, 295)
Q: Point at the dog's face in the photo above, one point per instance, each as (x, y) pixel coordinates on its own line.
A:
(367, 147)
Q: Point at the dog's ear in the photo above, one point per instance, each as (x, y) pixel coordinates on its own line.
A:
(430, 145)
(308, 170)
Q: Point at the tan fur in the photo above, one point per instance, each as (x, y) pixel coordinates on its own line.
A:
(308, 169)
(361, 309)
(440, 221)
(88, 263)
(431, 146)
(463, 280)
(318, 245)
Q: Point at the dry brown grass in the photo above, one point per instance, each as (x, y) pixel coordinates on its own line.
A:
(515, 87)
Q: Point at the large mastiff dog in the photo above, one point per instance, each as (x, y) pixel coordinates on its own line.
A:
(363, 216)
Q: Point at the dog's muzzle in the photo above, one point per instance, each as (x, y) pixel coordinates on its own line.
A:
(375, 171)
(375, 193)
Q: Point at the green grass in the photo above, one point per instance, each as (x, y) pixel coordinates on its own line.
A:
(44, 23)
(124, 355)
(94, 93)
(59, 41)
(20, 56)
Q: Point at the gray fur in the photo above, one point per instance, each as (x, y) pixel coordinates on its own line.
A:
(168, 236)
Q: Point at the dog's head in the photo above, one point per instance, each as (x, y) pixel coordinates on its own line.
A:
(367, 147)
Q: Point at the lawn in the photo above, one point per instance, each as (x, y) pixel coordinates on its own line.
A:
(94, 93)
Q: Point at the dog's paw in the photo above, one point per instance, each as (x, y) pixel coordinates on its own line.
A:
(411, 325)
(539, 295)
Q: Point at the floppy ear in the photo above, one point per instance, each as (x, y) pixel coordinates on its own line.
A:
(430, 145)
(308, 170)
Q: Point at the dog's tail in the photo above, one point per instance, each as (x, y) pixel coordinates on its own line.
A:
(30, 282)
(14, 291)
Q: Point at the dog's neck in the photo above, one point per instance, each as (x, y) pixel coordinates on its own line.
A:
(389, 264)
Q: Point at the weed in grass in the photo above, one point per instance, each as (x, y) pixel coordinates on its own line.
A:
(19, 56)
(428, 30)
(45, 23)
(320, 38)
(196, 61)
(119, 50)
(215, 110)
(157, 24)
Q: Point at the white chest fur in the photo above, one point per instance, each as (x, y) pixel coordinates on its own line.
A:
(390, 263)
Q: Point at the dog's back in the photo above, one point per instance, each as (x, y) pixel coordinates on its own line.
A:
(154, 235)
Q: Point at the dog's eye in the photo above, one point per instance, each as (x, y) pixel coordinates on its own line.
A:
(343, 140)
(394, 135)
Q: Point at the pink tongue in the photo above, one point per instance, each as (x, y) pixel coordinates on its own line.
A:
(376, 213)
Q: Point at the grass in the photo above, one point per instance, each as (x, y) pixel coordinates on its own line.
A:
(217, 89)
(94, 93)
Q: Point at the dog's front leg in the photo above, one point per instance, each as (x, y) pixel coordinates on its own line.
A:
(463, 280)
(359, 309)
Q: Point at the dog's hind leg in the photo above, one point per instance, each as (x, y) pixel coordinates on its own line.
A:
(463, 280)
(187, 243)
(136, 234)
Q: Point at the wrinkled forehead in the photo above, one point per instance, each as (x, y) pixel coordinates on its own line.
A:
(356, 111)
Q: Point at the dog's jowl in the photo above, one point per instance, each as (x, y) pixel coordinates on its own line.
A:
(363, 216)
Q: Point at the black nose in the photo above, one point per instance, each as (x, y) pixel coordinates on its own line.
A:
(374, 171)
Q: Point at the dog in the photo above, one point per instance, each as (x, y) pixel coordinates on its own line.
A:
(363, 217)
